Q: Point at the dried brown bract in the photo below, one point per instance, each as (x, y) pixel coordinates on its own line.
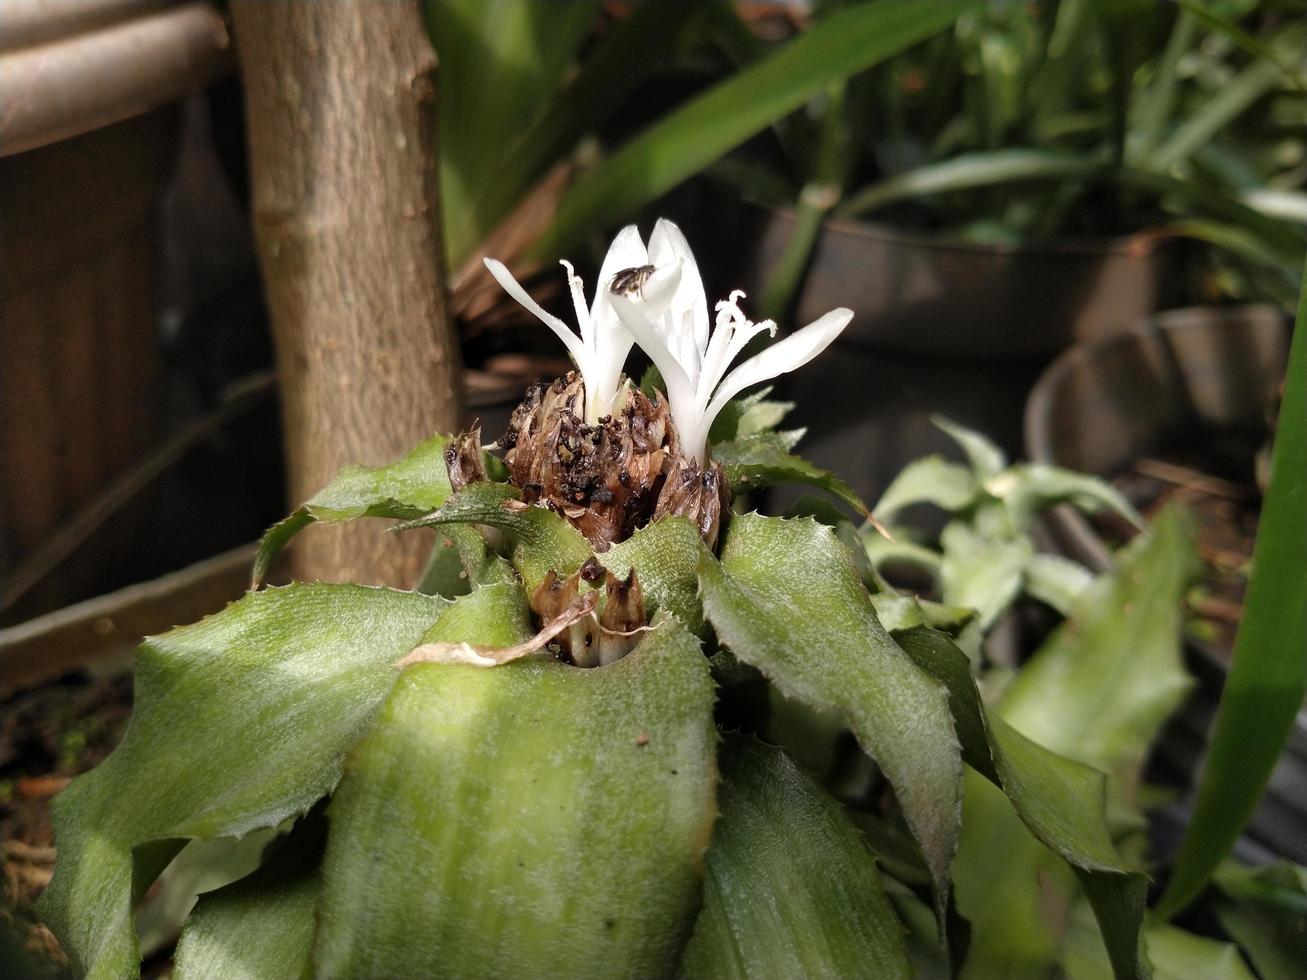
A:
(697, 493)
(608, 478)
(463, 458)
(600, 639)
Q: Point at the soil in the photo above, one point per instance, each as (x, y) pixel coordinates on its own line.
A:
(47, 736)
(1225, 501)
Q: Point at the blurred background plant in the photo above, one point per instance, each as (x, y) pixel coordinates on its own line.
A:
(1038, 121)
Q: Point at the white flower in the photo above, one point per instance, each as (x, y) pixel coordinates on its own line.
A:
(601, 350)
(669, 319)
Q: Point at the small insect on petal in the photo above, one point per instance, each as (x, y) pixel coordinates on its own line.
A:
(631, 280)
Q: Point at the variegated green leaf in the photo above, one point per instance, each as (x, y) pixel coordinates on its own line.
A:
(415, 484)
(787, 599)
(528, 820)
(791, 889)
(241, 721)
(541, 541)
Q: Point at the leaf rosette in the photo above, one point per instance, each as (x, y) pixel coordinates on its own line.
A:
(552, 766)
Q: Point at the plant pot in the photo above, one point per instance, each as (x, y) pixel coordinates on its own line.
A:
(917, 293)
(1187, 379)
(84, 157)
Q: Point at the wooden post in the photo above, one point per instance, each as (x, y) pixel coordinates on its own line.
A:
(340, 103)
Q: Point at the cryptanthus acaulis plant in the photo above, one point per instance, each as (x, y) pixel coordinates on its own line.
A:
(549, 758)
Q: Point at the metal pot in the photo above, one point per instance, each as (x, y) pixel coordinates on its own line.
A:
(918, 293)
(1185, 376)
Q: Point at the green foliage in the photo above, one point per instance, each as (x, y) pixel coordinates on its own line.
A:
(536, 818)
(763, 459)
(1096, 692)
(791, 889)
(540, 540)
(1063, 120)
(1268, 675)
(562, 814)
(241, 721)
(701, 131)
(409, 487)
(261, 926)
(986, 558)
(824, 647)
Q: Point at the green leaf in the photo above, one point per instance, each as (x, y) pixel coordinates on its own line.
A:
(930, 480)
(1057, 581)
(665, 556)
(746, 416)
(241, 721)
(200, 866)
(899, 550)
(533, 819)
(542, 541)
(1097, 692)
(1102, 685)
(1264, 911)
(1268, 677)
(415, 484)
(986, 458)
(1061, 802)
(494, 615)
(1180, 955)
(787, 599)
(499, 64)
(1174, 953)
(460, 561)
(902, 612)
(764, 460)
(1154, 106)
(791, 889)
(261, 926)
(1226, 105)
(1027, 488)
(981, 573)
(619, 61)
(967, 172)
(693, 136)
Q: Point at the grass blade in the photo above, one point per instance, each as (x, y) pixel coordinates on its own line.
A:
(969, 171)
(1268, 675)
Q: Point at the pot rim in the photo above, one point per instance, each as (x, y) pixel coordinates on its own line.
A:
(1134, 246)
(1037, 425)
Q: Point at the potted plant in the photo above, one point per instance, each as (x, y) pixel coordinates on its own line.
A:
(1182, 409)
(520, 769)
(1009, 185)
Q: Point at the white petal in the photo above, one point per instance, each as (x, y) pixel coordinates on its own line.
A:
(626, 252)
(792, 352)
(667, 244)
(514, 289)
(577, 288)
(659, 291)
(731, 335)
(679, 390)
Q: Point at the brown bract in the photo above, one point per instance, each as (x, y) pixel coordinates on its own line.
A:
(614, 476)
(594, 640)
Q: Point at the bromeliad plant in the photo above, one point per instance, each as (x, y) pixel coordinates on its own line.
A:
(539, 763)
